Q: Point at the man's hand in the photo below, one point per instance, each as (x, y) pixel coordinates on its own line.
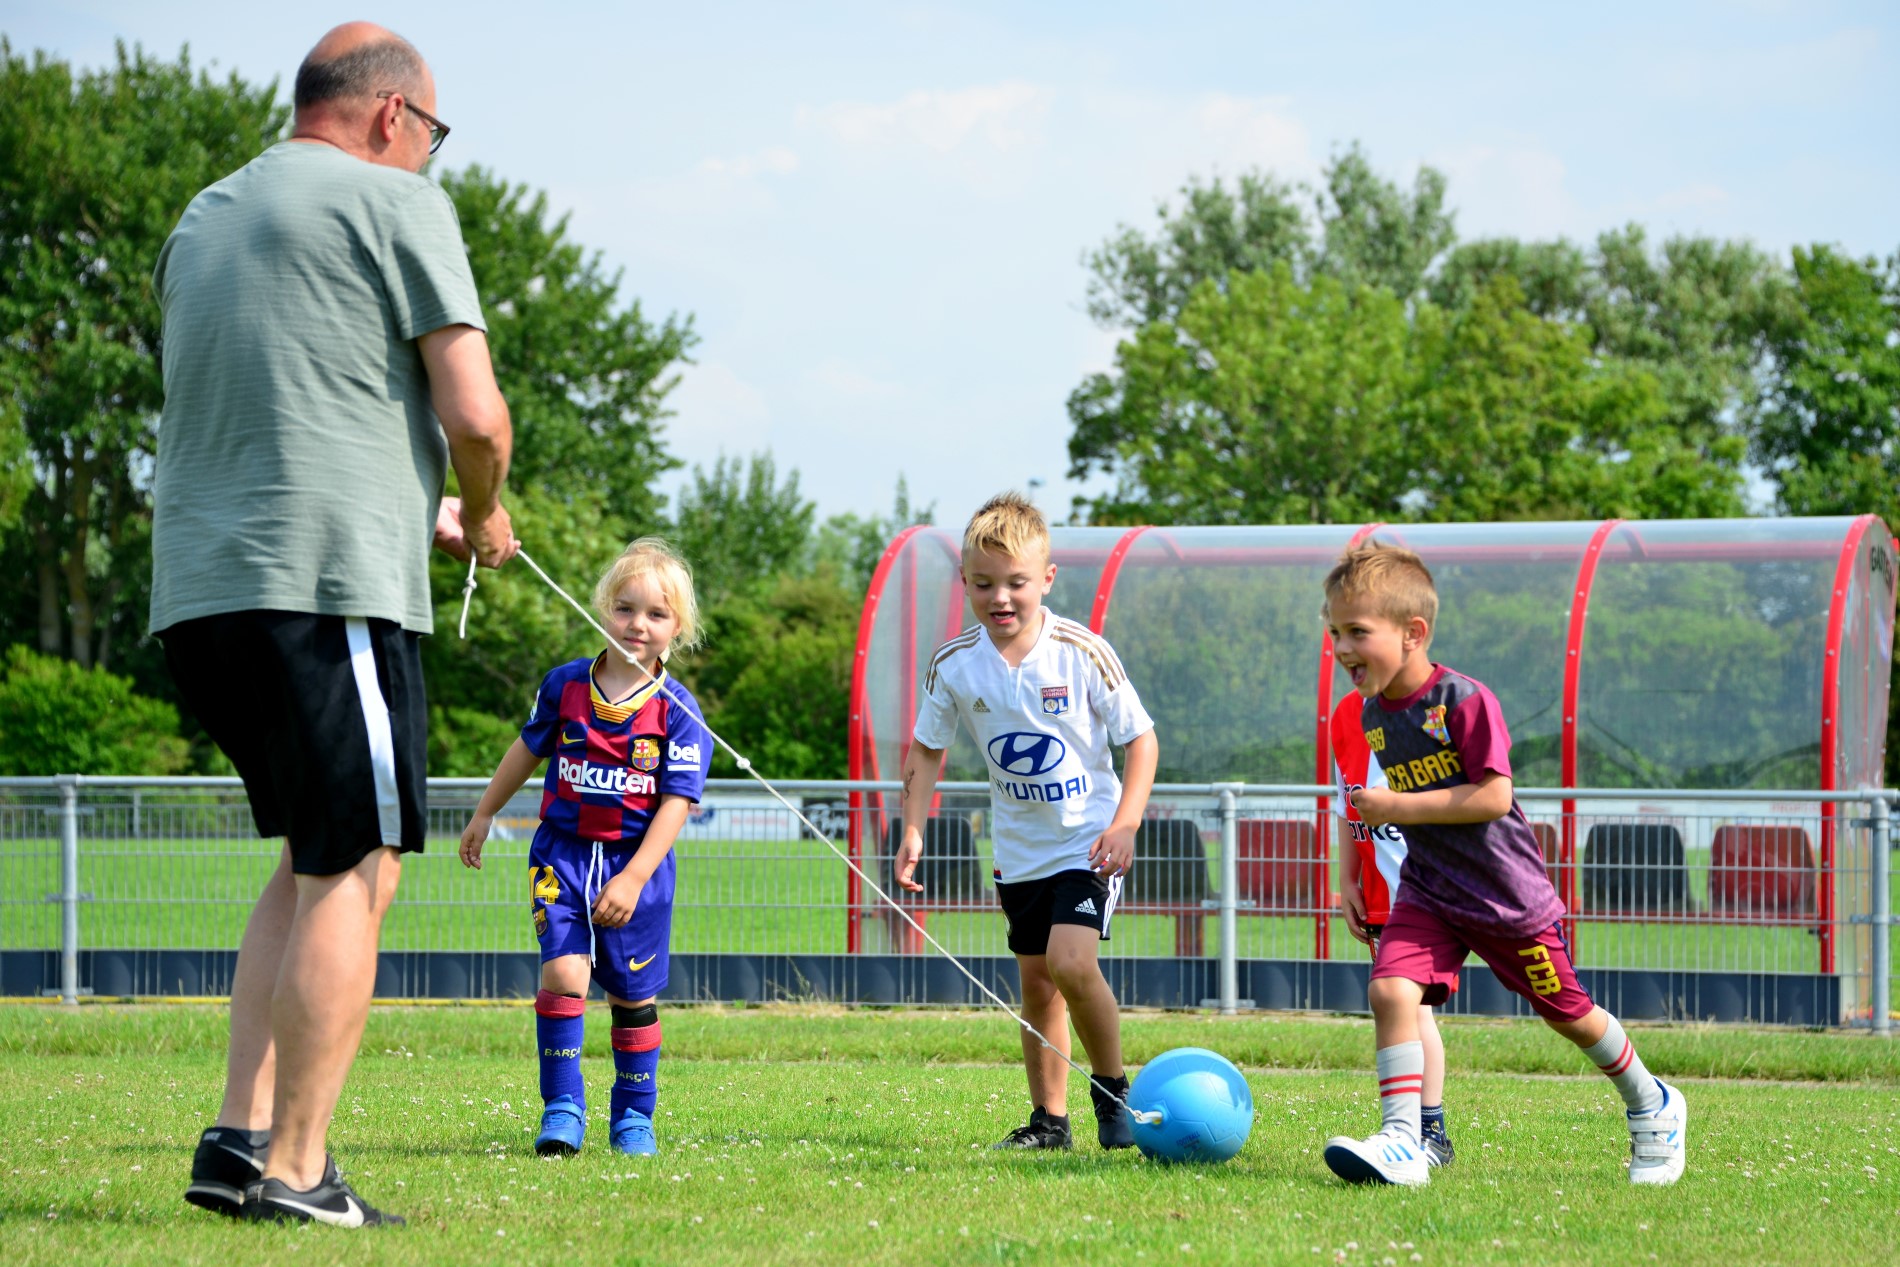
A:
(614, 906)
(473, 837)
(449, 538)
(904, 865)
(1113, 851)
(1377, 806)
(1352, 903)
(493, 539)
(456, 539)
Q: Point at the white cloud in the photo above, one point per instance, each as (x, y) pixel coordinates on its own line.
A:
(1003, 116)
(777, 160)
(1517, 190)
(1254, 132)
(836, 378)
(1690, 197)
(716, 411)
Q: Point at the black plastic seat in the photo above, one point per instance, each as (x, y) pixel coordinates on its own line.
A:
(950, 870)
(1634, 868)
(1170, 864)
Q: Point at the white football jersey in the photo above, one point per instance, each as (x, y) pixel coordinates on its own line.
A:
(1044, 729)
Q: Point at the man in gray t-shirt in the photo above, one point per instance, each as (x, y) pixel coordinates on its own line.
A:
(324, 360)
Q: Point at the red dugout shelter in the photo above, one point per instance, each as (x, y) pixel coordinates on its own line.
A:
(1730, 653)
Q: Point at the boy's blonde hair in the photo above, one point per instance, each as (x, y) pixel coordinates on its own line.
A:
(1010, 524)
(653, 557)
(1395, 579)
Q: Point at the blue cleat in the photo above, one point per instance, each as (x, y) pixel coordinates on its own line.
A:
(633, 1135)
(563, 1127)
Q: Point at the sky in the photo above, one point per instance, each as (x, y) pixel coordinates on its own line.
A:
(876, 214)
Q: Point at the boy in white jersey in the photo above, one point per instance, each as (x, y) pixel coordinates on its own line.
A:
(1043, 697)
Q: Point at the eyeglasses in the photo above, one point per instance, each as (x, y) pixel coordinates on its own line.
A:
(438, 130)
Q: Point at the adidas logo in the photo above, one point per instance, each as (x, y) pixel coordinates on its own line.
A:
(979, 706)
(1087, 906)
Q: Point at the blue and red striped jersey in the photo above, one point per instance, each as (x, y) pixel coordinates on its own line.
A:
(610, 763)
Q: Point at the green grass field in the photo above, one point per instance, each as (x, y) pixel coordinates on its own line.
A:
(803, 1135)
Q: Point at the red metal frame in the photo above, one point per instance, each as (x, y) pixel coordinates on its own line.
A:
(1323, 773)
(1830, 731)
(859, 736)
(1111, 572)
(1573, 670)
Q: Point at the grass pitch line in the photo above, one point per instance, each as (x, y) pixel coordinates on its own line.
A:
(745, 765)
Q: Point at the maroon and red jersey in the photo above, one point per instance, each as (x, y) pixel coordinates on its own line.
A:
(1484, 876)
(610, 763)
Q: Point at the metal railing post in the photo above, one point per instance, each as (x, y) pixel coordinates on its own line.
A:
(1229, 897)
(1881, 1011)
(69, 888)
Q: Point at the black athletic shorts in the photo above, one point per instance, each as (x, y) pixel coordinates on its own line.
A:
(1033, 907)
(325, 720)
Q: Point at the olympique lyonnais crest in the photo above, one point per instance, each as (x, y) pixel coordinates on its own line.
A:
(1055, 700)
(1435, 724)
(646, 754)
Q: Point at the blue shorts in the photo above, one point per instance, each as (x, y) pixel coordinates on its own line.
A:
(630, 962)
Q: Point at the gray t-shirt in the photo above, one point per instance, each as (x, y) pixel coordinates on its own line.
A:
(300, 462)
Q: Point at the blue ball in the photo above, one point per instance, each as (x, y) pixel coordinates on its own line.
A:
(1203, 1105)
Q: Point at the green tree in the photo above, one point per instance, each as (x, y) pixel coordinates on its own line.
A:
(480, 687)
(851, 544)
(1362, 229)
(586, 376)
(1282, 401)
(740, 527)
(584, 371)
(1694, 314)
(1830, 433)
(65, 719)
(95, 168)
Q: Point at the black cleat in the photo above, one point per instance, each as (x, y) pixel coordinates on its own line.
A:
(1045, 1130)
(225, 1164)
(332, 1201)
(1438, 1150)
(1112, 1127)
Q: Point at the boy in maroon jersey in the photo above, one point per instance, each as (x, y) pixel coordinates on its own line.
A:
(1473, 877)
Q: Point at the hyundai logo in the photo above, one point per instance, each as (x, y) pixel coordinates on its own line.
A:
(1026, 753)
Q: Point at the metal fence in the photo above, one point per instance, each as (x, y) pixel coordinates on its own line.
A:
(1734, 905)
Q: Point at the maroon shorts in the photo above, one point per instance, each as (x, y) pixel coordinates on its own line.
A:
(1418, 946)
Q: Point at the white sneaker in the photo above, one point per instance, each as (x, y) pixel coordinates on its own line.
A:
(1385, 1157)
(1659, 1140)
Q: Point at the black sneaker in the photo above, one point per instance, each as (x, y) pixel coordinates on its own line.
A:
(1112, 1127)
(226, 1163)
(1438, 1151)
(332, 1201)
(1045, 1130)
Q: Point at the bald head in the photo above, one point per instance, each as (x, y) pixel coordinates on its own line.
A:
(361, 89)
(353, 63)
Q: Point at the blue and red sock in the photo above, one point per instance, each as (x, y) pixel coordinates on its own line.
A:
(559, 1021)
(636, 1068)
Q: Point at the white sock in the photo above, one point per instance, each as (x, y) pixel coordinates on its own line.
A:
(1401, 1083)
(1616, 1056)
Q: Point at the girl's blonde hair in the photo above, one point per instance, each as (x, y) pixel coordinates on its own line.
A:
(653, 557)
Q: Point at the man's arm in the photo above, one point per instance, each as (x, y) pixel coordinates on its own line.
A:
(481, 438)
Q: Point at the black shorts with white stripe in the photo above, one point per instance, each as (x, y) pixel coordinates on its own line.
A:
(325, 720)
(1033, 907)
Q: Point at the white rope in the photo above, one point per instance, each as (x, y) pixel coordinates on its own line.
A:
(745, 764)
(468, 592)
